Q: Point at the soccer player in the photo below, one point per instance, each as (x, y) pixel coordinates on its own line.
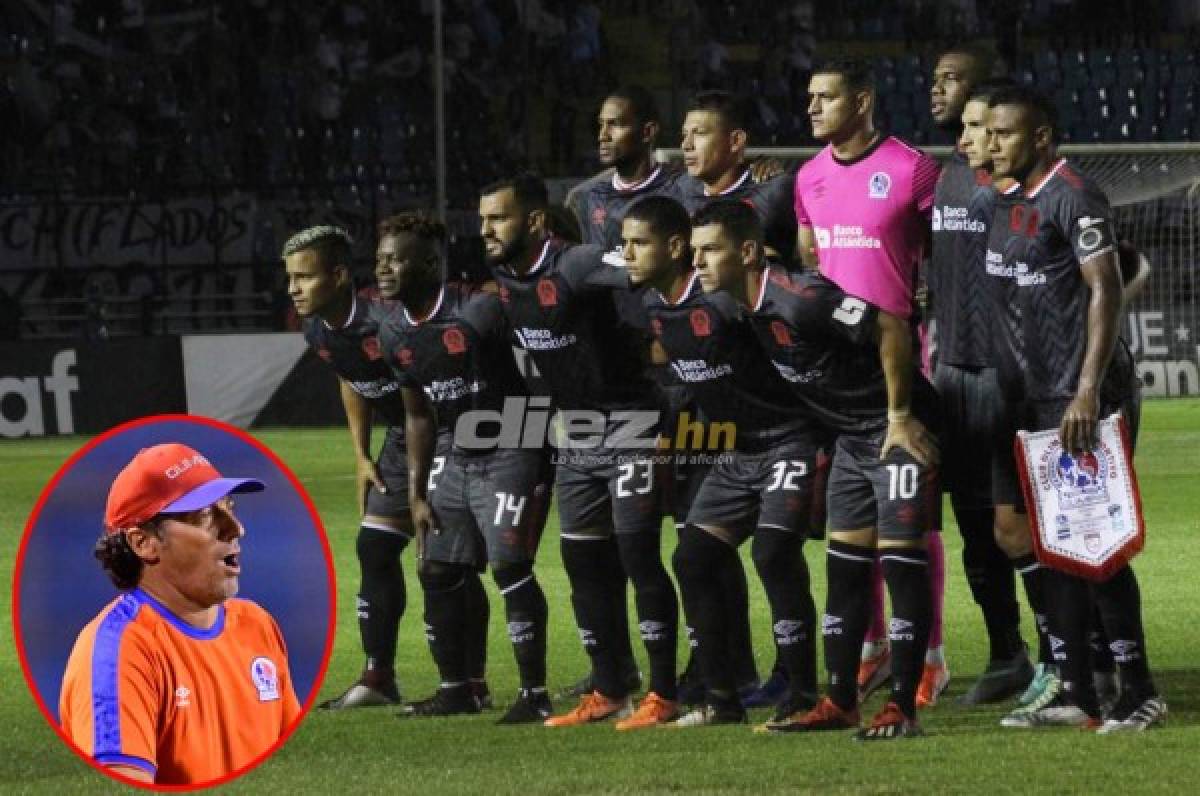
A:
(472, 506)
(964, 376)
(714, 153)
(342, 326)
(176, 681)
(863, 208)
(559, 302)
(1055, 276)
(628, 125)
(762, 486)
(849, 366)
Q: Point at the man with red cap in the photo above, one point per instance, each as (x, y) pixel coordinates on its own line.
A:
(176, 681)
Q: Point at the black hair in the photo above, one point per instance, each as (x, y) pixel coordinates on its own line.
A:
(332, 245)
(984, 91)
(858, 74)
(1033, 101)
(983, 59)
(120, 563)
(640, 100)
(732, 109)
(528, 188)
(736, 217)
(665, 216)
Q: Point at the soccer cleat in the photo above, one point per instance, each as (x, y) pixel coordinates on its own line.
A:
(888, 724)
(532, 706)
(1052, 709)
(361, 695)
(825, 716)
(790, 709)
(873, 672)
(481, 691)
(1134, 715)
(652, 711)
(1045, 676)
(592, 707)
(935, 678)
(1000, 680)
(770, 693)
(707, 715)
(453, 700)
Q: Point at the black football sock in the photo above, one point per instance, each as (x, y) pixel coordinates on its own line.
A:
(478, 615)
(1120, 605)
(779, 559)
(657, 606)
(382, 597)
(737, 604)
(847, 611)
(445, 618)
(1069, 605)
(617, 592)
(1033, 576)
(906, 571)
(700, 553)
(993, 585)
(525, 612)
(583, 562)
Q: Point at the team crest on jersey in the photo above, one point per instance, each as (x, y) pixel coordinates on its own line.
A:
(599, 215)
(454, 340)
(265, 676)
(701, 323)
(879, 185)
(780, 332)
(547, 293)
(405, 357)
(370, 347)
(656, 327)
(324, 354)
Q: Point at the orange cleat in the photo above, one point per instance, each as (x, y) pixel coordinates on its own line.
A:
(593, 707)
(874, 672)
(653, 710)
(825, 716)
(935, 677)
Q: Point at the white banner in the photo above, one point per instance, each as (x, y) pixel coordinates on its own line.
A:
(1085, 511)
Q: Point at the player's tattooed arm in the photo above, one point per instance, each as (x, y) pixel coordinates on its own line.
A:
(358, 419)
(904, 430)
(806, 247)
(420, 431)
(1103, 277)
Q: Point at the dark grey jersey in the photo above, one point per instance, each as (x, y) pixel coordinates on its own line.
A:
(1036, 246)
(957, 281)
(771, 200)
(599, 204)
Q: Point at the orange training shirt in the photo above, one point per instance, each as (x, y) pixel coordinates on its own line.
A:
(145, 689)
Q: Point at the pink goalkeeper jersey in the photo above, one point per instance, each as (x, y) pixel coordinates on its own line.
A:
(870, 217)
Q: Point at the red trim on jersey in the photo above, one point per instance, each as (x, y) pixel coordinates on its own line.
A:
(683, 294)
(437, 306)
(762, 288)
(741, 181)
(1046, 179)
(626, 187)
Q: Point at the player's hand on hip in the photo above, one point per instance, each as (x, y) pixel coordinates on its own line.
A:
(910, 434)
(423, 522)
(1077, 432)
(367, 477)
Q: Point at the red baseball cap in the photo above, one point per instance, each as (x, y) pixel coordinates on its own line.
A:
(167, 478)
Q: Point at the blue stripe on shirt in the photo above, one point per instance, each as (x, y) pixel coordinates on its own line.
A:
(106, 653)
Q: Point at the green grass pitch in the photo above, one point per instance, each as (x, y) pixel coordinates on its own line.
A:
(966, 750)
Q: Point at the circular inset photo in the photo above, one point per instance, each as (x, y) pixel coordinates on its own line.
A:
(174, 602)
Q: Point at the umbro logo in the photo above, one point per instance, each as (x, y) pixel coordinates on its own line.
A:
(651, 630)
(788, 631)
(900, 630)
(831, 625)
(519, 632)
